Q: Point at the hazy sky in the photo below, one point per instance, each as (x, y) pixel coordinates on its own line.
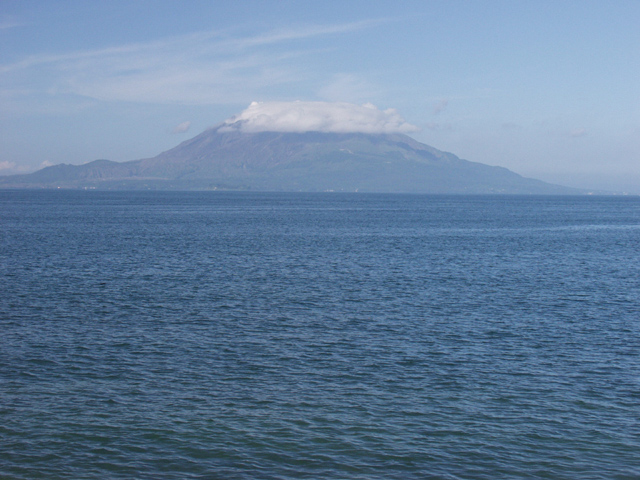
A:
(549, 89)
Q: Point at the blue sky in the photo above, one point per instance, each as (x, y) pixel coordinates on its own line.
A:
(550, 90)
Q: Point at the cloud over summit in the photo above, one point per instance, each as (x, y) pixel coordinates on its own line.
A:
(299, 117)
(183, 127)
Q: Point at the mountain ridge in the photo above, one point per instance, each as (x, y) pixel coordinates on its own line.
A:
(224, 158)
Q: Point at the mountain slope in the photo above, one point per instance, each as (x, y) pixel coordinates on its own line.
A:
(276, 161)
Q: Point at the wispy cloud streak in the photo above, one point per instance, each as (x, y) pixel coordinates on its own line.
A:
(8, 22)
(203, 67)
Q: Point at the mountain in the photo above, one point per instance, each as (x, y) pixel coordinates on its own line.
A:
(222, 158)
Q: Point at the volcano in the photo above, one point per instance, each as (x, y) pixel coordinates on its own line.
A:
(226, 159)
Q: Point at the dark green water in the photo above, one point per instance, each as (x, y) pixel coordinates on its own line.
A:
(285, 336)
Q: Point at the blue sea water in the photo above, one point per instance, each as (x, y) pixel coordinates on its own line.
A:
(342, 336)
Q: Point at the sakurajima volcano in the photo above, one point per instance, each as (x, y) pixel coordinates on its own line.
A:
(296, 146)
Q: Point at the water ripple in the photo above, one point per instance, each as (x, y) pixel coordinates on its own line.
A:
(241, 336)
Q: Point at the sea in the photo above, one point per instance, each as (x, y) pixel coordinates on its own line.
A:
(236, 335)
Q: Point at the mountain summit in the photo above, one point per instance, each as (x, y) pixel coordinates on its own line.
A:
(230, 158)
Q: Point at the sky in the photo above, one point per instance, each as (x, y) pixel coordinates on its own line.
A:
(548, 89)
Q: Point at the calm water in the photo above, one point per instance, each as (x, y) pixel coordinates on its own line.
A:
(286, 336)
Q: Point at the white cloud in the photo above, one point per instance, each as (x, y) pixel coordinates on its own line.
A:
(329, 117)
(183, 127)
(12, 168)
(6, 165)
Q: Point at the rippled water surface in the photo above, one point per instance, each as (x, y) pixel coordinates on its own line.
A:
(286, 336)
